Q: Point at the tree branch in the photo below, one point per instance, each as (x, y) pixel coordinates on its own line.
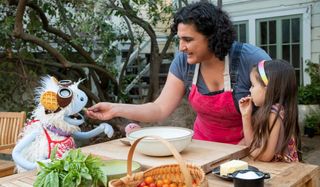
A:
(129, 51)
(64, 17)
(19, 33)
(37, 62)
(166, 45)
(67, 38)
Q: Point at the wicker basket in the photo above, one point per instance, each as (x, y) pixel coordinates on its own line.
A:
(179, 173)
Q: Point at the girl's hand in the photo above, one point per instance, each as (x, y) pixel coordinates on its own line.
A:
(245, 105)
(101, 111)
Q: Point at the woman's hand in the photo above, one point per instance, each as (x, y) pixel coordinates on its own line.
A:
(101, 111)
(245, 105)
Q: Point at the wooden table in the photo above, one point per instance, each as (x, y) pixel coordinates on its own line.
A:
(25, 179)
(201, 153)
(282, 174)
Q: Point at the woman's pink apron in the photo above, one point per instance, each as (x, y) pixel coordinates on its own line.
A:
(217, 118)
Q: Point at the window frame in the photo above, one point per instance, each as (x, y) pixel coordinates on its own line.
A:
(238, 23)
(279, 39)
(305, 11)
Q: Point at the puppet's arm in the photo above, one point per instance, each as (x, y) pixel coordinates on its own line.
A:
(16, 153)
(103, 127)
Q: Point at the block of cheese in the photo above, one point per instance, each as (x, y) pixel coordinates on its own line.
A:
(232, 166)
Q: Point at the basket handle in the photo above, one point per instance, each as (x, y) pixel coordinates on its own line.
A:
(177, 156)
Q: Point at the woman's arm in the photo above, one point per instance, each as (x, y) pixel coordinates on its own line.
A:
(170, 97)
(272, 142)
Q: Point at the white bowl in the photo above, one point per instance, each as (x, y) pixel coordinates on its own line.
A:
(179, 137)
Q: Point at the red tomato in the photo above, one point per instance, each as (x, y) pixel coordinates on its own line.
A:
(152, 184)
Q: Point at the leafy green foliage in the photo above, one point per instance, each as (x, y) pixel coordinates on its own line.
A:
(312, 121)
(310, 94)
(75, 169)
(88, 25)
(6, 25)
(16, 88)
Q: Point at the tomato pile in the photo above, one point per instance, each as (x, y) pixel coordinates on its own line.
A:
(151, 182)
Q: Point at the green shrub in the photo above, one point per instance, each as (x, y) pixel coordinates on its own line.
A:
(312, 120)
(310, 94)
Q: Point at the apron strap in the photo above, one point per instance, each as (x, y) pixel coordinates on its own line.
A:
(226, 75)
(235, 61)
(195, 75)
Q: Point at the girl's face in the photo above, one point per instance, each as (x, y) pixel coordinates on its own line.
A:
(257, 90)
(193, 43)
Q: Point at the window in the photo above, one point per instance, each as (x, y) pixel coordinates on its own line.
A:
(281, 38)
(241, 29)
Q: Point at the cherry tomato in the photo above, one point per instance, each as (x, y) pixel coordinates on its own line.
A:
(148, 180)
(173, 185)
(142, 184)
(159, 183)
(167, 181)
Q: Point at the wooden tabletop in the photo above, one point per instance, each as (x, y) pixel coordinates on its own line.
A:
(25, 179)
(201, 153)
(282, 174)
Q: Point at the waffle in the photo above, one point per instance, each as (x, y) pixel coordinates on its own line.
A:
(49, 101)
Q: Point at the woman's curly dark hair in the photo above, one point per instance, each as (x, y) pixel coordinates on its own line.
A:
(212, 22)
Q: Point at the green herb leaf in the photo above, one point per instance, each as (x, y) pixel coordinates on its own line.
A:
(74, 169)
(54, 153)
(51, 180)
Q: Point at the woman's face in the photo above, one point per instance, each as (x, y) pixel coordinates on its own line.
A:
(257, 90)
(193, 43)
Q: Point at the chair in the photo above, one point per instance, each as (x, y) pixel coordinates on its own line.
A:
(10, 125)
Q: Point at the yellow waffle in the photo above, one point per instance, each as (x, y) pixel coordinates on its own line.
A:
(49, 101)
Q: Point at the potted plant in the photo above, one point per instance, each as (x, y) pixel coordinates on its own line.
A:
(74, 169)
(312, 124)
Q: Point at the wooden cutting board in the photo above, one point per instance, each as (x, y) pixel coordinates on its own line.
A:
(201, 153)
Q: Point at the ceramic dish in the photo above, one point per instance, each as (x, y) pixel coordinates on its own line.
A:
(248, 177)
(179, 137)
(115, 169)
(216, 172)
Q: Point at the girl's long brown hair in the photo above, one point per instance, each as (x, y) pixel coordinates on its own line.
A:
(281, 89)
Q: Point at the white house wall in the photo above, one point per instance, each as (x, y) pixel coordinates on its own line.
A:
(315, 32)
(251, 10)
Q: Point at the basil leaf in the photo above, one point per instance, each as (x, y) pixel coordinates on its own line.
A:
(74, 169)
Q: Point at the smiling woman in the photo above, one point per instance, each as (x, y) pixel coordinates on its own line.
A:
(211, 70)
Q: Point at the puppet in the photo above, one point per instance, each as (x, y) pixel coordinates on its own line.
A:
(55, 123)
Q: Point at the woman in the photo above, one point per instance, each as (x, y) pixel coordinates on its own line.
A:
(202, 72)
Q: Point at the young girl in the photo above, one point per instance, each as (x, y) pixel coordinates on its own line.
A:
(272, 131)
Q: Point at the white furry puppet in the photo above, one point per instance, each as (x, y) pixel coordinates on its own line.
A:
(56, 121)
